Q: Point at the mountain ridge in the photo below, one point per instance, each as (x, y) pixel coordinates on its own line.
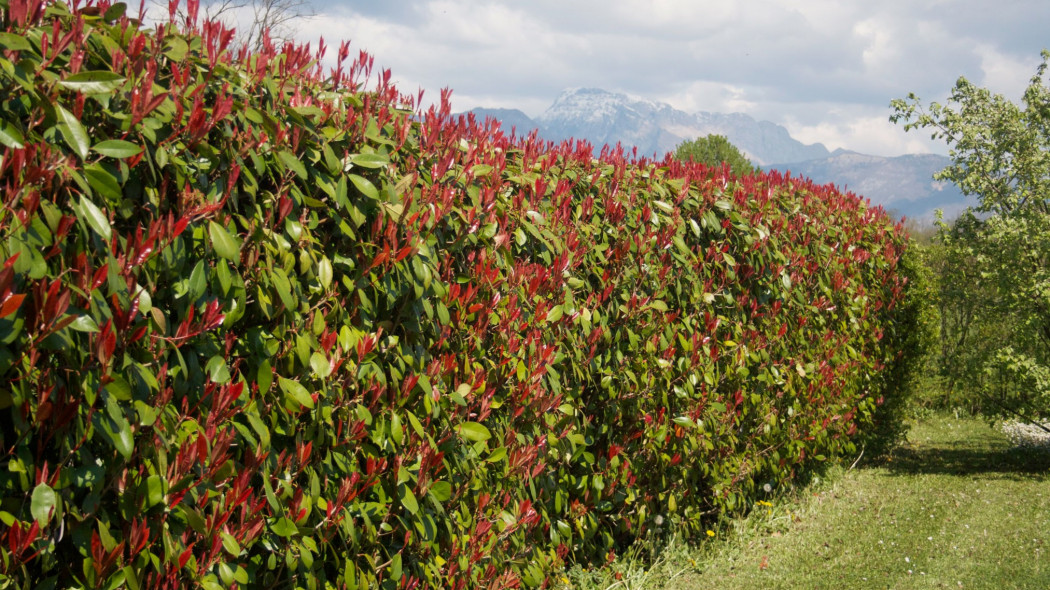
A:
(903, 184)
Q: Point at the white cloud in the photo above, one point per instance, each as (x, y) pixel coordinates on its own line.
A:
(826, 69)
(867, 134)
(1005, 74)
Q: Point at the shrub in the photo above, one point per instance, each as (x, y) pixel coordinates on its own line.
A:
(261, 325)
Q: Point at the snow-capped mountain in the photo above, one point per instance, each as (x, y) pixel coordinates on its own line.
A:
(903, 184)
(657, 128)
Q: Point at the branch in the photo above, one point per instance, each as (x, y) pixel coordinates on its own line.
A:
(1024, 418)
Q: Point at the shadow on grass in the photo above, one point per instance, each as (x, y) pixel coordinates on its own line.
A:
(983, 455)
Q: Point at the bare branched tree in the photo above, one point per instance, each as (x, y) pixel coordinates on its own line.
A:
(251, 18)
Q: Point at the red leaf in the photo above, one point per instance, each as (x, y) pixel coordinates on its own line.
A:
(185, 556)
(11, 304)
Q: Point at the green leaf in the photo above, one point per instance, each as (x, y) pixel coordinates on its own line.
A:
(217, 370)
(11, 136)
(43, 503)
(365, 186)
(119, 388)
(474, 431)
(408, 499)
(284, 528)
(13, 42)
(555, 314)
(118, 431)
(320, 365)
(296, 391)
(155, 490)
(93, 82)
(117, 148)
(369, 160)
(440, 490)
(95, 218)
(73, 132)
(84, 323)
(116, 10)
(104, 183)
(293, 163)
(324, 272)
(225, 245)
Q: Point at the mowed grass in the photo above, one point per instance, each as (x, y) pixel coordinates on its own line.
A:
(955, 507)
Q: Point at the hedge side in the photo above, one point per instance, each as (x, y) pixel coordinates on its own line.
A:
(262, 325)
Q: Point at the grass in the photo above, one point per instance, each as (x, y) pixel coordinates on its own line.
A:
(954, 507)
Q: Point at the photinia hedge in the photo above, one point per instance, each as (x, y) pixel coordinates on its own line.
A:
(267, 324)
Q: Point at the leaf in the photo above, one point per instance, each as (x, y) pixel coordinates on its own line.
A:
(43, 503)
(116, 10)
(324, 272)
(284, 528)
(320, 365)
(118, 431)
(555, 314)
(13, 42)
(217, 369)
(95, 218)
(225, 245)
(365, 186)
(154, 490)
(473, 431)
(296, 391)
(293, 163)
(104, 183)
(73, 132)
(11, 136)
(369, 160)
(11, 304)
(117, 148)
(440, 490)
(408, 499)
(93, 82)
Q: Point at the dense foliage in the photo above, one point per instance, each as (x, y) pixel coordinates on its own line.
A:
(714, 150)
(261, 326)
(992, 265)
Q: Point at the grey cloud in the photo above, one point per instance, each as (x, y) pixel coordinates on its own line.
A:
(777, 54)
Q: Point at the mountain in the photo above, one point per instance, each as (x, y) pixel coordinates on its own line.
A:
(509, 119)
(902, 184)
(657, 128)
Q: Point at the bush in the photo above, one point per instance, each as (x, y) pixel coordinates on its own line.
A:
(261, 325)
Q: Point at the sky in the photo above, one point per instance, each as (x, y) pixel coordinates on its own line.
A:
(824, 69)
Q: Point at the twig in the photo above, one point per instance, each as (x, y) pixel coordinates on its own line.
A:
(857, 459)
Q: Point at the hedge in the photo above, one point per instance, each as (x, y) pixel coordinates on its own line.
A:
(267, 323)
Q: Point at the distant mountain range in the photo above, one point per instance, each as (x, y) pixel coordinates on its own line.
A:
(902, 184)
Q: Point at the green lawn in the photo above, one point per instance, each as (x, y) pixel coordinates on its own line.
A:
(955, 507)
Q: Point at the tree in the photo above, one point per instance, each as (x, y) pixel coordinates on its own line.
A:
(995, 274)
(713, 150)
(253, 18)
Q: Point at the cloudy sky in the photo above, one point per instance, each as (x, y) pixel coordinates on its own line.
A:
(825, 69)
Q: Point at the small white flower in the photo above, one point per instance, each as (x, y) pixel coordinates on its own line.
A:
(907, 560)
(659, 520)
(767, 488)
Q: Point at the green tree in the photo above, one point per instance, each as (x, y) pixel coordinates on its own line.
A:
(713, 150)
(994, 273)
